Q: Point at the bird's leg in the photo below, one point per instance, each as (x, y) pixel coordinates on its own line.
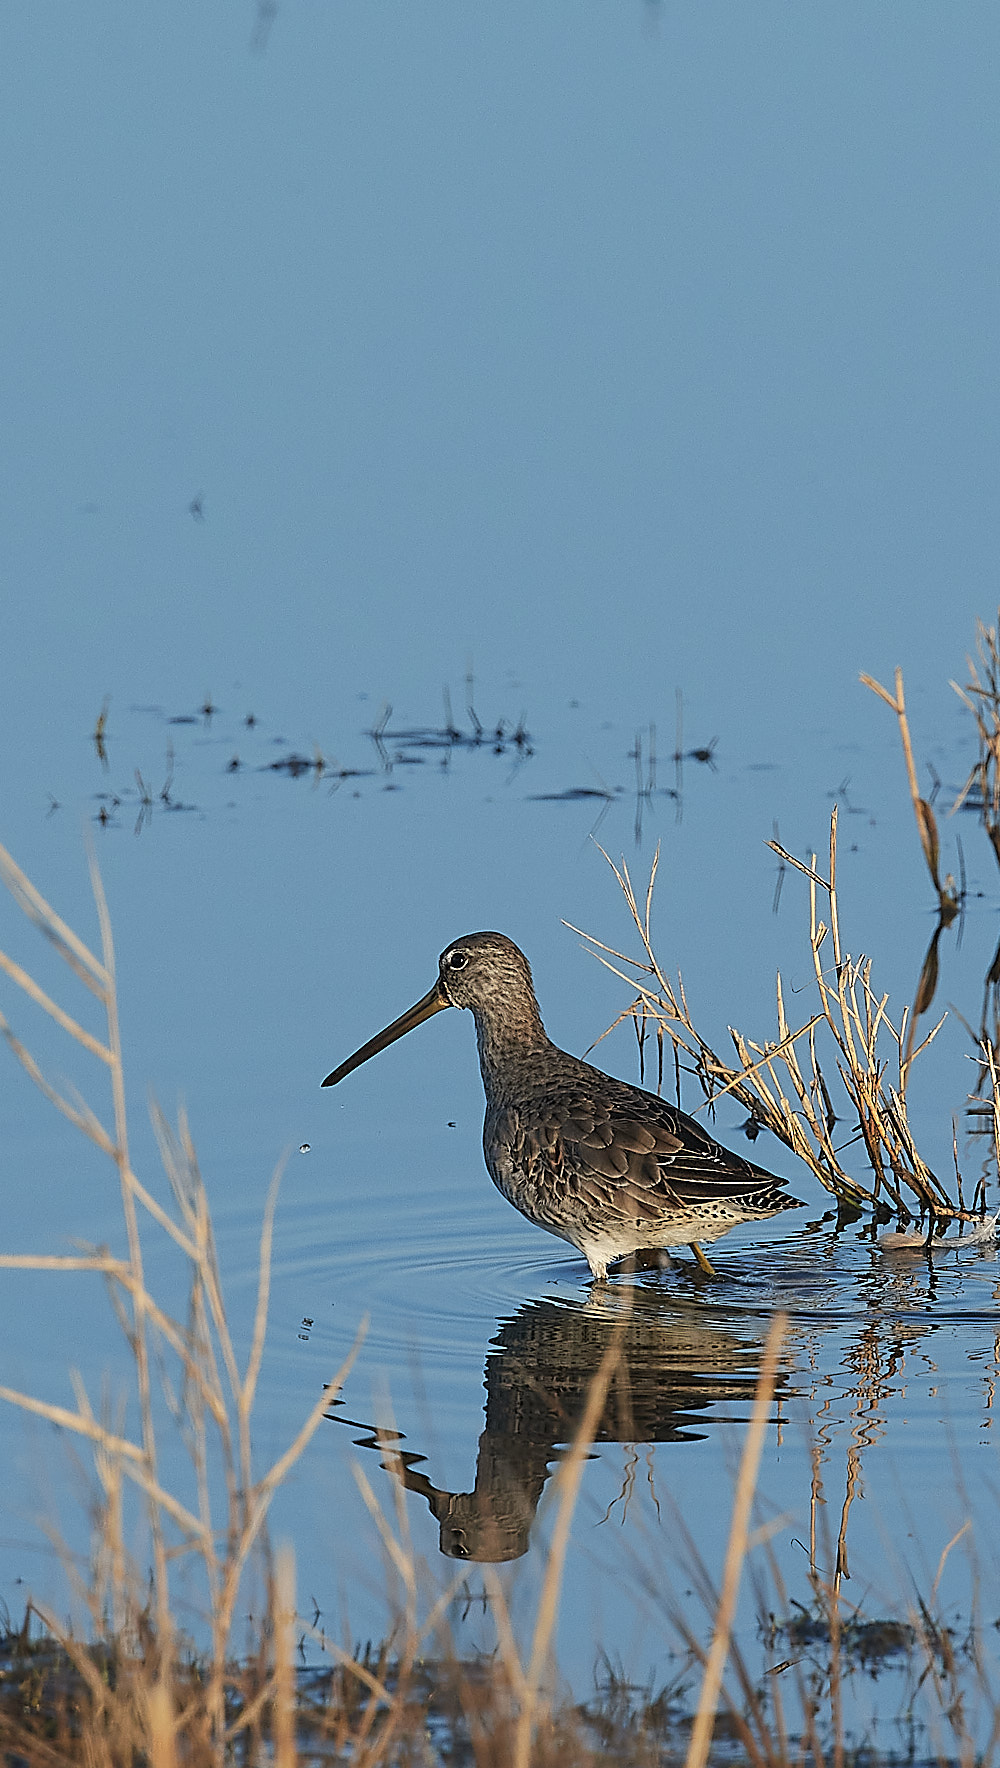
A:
(703, 1262)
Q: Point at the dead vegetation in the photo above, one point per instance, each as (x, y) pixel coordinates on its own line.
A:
(795, 1084)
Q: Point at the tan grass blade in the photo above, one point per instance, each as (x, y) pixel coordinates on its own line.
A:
(80, 1116)
(746, 1485)
(283, 1710)
(923, 811)
(79, 957)
(565, 1490)
(160, 1726)
(48, 1005)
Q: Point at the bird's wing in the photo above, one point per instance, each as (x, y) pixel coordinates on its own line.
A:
(642, 1156)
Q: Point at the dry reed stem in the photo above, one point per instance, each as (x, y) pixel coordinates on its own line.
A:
(397, 1552)
(160, 1726)
(758, 1748)
(179, 1164)
(945, 1551)
(388, 1435)
(566, 1487)
(81, 1117)
(368, 1745)
(248, 1386)
(51, 1007)
(139, 1337)
(982, 697)
(922, 810)
(71, 948)
(746, 1485)
(176, 1336)
(989, 1056)
(283, 1608)
(35, 1261)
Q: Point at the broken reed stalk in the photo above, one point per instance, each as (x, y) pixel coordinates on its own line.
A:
(788, 1084)
(151, 1702)
(982, 697)
(927, 827)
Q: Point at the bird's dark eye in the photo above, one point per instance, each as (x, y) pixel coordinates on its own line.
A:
(457, 960)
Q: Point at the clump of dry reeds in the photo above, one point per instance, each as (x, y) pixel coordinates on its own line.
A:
(794, 1085)
(154, 1705)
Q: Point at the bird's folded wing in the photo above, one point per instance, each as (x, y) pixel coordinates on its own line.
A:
(654, 1159)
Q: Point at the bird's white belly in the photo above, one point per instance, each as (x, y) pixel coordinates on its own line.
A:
(619, 1241)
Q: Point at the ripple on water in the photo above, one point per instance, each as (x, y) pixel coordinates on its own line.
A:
(429, 1276)
(484, 1335)
(438, 1278)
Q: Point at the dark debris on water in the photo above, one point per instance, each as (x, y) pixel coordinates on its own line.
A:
(396, 748)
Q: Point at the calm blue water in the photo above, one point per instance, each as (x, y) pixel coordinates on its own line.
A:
(259, 939)
(643, 353)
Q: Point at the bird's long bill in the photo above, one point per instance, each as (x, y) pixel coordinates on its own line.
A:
(434, 1002)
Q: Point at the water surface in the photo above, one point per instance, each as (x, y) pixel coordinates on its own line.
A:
(435, 439)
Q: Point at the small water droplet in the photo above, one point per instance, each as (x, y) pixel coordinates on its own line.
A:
(304, 1148)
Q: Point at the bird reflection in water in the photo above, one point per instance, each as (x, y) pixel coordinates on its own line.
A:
(674, 1377)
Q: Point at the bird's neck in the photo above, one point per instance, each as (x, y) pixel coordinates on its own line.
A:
(506, 1035)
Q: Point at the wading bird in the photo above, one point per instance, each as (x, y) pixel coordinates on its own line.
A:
(610, 1168)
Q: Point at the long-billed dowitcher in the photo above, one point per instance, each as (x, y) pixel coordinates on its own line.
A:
(608, 1167)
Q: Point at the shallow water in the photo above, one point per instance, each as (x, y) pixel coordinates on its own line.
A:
(482, 1332)
(605, 394)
